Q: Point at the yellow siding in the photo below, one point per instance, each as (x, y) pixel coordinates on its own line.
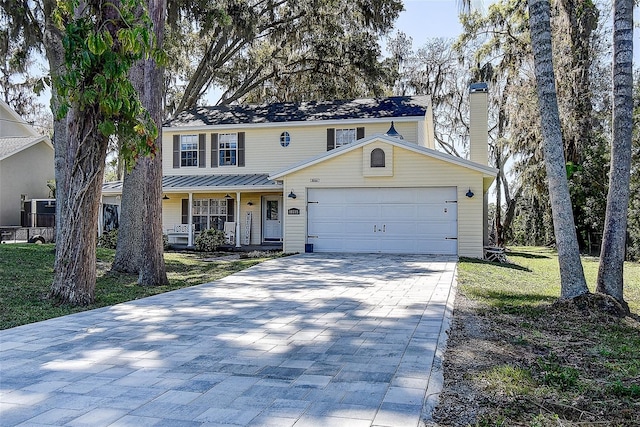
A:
(410, 170)
(263, 152)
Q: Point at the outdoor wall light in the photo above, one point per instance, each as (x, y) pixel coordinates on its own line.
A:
(249, 203)
(165, 197)
(469, 193)
(227, 196)
(292, 195)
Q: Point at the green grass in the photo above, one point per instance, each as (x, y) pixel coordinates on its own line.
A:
(571, 362)
(26, 273)
(533, 277)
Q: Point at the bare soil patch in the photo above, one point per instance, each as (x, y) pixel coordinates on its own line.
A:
(563, 364)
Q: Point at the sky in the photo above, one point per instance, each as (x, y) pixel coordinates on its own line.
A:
(424, 19)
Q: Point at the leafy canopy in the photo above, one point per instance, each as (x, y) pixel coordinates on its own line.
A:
(102, 40)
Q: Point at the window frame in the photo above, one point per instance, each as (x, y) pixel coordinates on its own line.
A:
(210, 213)
(285, 139)
(345, 133)
(186, 160)
(228, 149)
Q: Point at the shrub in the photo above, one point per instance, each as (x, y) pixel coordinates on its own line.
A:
(108, 239)
(209, 240)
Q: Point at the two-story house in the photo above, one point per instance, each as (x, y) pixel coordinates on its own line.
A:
(337, 176)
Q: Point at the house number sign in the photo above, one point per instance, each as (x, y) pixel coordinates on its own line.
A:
(294, 211)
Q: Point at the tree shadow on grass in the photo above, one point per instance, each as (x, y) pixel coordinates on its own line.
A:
(529, 305)
(496, 264)
(527, 255)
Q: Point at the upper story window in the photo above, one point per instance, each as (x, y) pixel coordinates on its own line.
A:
(339, 137)
(228, 149)
(285, 139)
(345, 136)
(188, 150)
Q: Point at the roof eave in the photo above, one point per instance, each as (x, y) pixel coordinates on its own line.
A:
(292, 123)
(487, 171)
(37, 141)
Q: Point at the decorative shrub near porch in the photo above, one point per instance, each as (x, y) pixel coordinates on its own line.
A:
(209, 240)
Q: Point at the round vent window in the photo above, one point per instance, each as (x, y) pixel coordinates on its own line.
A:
(285, 139)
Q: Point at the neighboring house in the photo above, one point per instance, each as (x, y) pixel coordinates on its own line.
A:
(343, 176)
(26, 164)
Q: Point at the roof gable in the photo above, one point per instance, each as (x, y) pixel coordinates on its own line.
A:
(372, 108)
(9, 117)
(487, 171)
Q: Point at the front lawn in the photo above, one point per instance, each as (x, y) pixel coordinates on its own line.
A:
(26, 273)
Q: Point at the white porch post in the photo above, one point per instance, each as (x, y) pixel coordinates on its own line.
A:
(100, 217)
(190, 222)
(237, 219)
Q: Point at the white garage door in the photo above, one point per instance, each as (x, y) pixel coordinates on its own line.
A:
(387, 220)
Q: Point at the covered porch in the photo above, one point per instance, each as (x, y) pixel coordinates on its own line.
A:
(247, 208)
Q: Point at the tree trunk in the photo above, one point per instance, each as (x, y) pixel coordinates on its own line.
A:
(140, 238)
(572, 279)
(130, 225)
(610, 272)
(78, 182)
(84, 156)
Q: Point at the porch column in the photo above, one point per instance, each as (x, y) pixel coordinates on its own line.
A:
(237, 219)
(190, 222)
(100, 217)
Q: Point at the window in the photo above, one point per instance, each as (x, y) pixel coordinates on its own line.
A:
(210, 213)
(188, 150)
(345, 136)
(285, 139)
(227, 149)
(377, 158)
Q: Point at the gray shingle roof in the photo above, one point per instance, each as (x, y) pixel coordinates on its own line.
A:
(397, 106)
(179, 182)
(9, 146)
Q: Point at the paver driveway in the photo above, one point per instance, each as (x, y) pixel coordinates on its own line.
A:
(308, 340)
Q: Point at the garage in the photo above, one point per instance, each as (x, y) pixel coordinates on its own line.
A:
(383, 220)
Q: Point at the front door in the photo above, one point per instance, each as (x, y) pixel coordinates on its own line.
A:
(272, 218)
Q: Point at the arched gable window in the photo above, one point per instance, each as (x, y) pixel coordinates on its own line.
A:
(377, 158)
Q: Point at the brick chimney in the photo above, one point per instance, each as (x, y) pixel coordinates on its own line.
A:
(478, 123)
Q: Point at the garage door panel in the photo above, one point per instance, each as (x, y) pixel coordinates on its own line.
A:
(362, 212)
(391, 220)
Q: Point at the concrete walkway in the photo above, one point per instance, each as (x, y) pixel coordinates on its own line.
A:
(308, 340)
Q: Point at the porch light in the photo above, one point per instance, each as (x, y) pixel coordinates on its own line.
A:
(292, 195)
(249, 203)
(469, 193)
(165, 197)
(227, 196)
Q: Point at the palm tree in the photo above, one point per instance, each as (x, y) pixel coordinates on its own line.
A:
(572, 280)
(610, 273)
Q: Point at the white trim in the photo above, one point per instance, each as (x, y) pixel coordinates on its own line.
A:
(328, 123)
(486, 170)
